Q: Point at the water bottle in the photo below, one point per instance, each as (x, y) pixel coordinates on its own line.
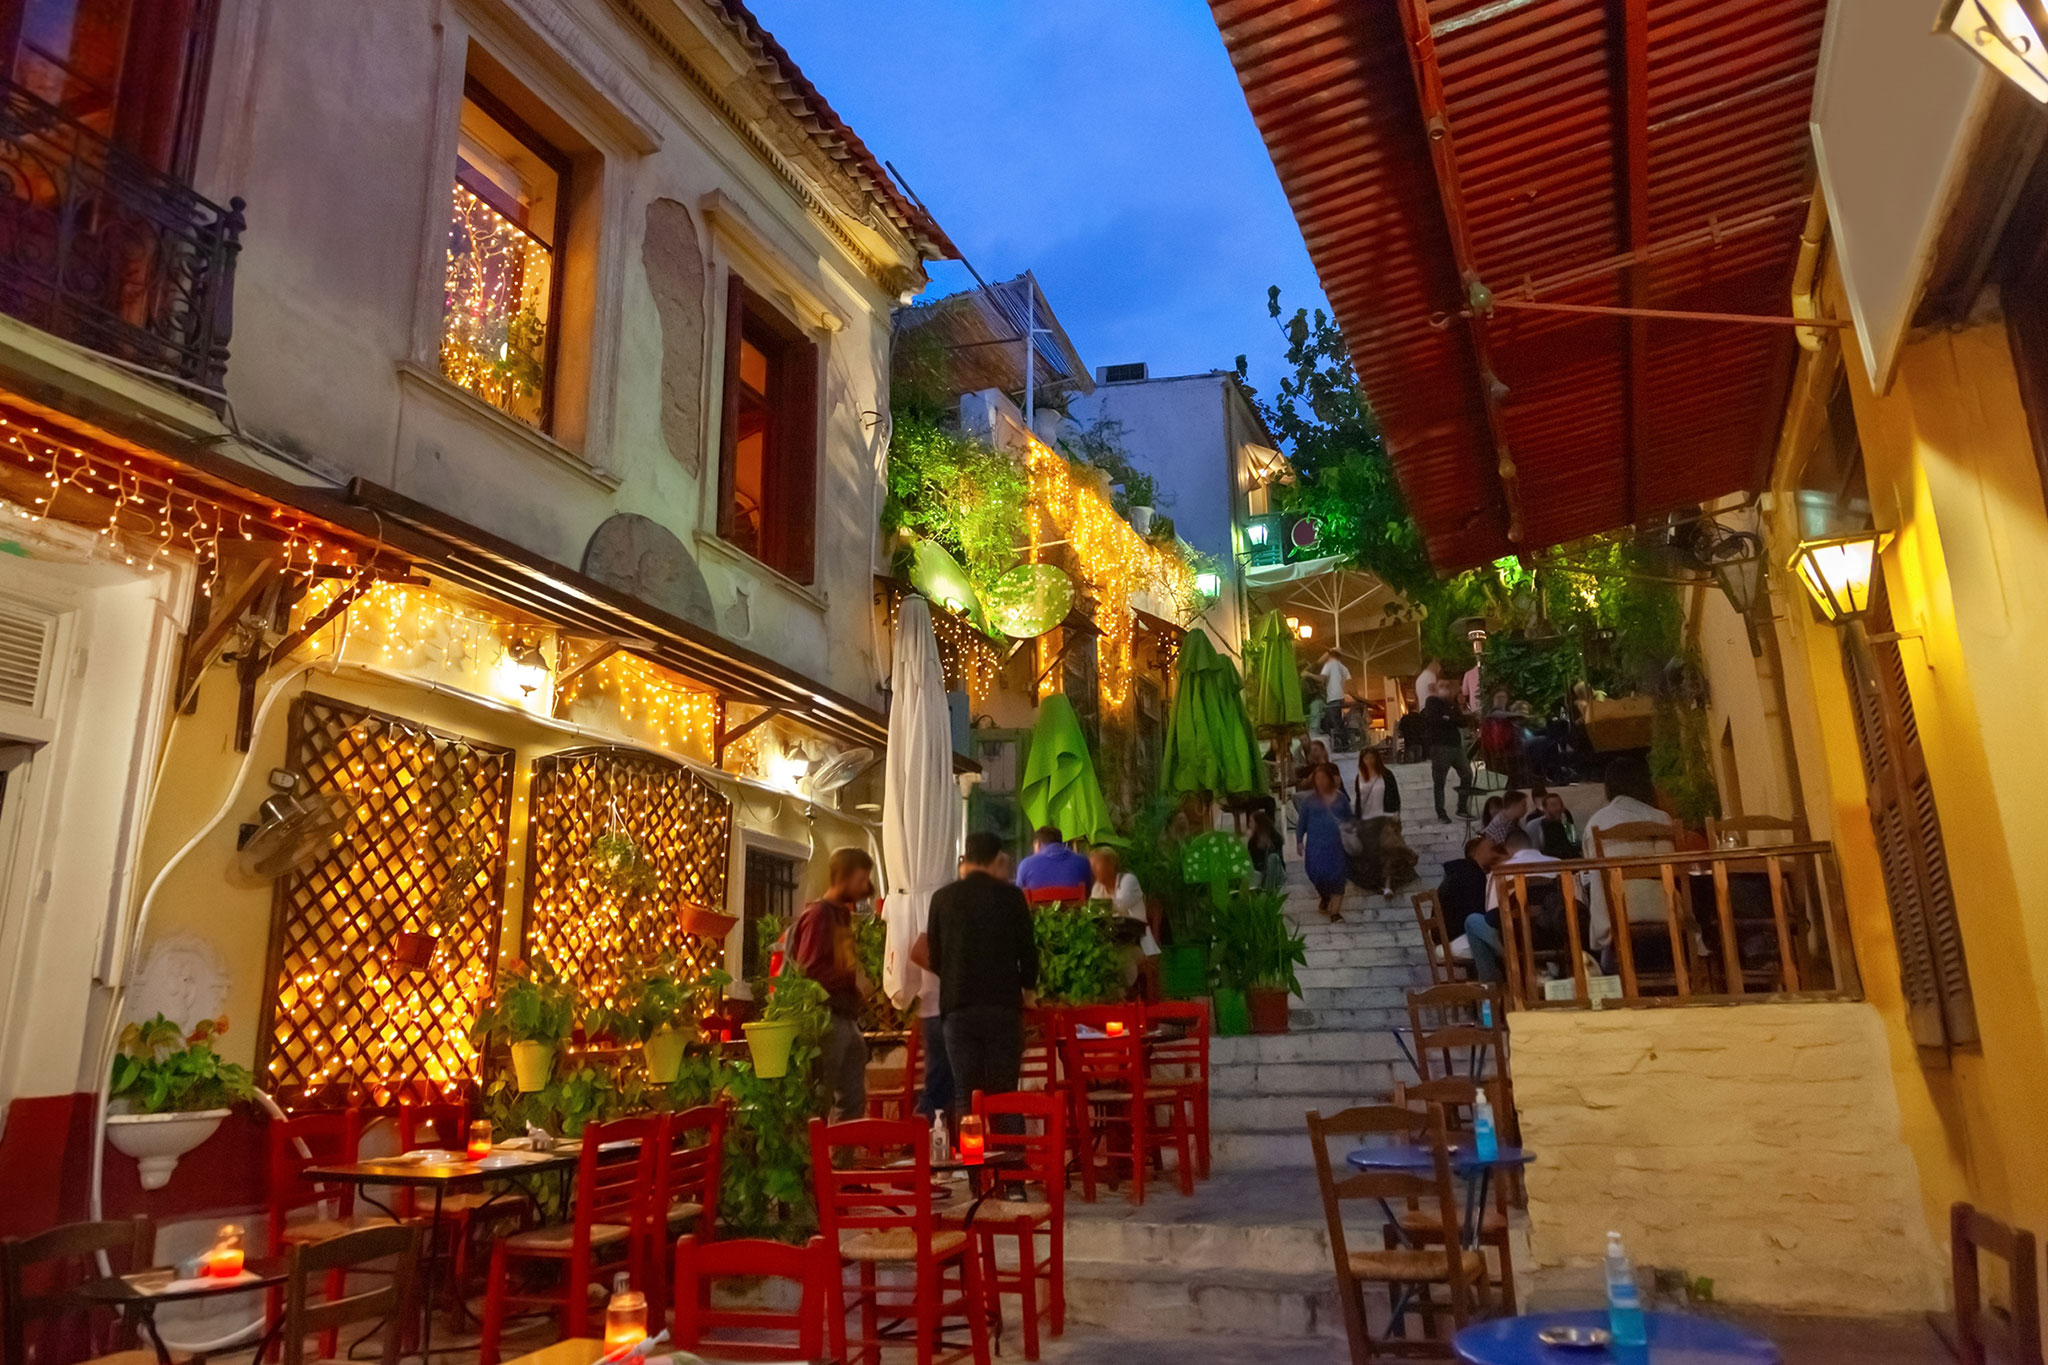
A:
(1624, 1300)
(942, 1145)
(1486, 1014)
(1485, 1141)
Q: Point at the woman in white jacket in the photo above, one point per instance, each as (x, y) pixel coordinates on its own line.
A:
(1121, 890)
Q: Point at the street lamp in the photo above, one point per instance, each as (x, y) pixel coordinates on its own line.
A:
(1305, 631)
(1255, 532)
(1208, 584)
(2011, 36)
(1838, 571)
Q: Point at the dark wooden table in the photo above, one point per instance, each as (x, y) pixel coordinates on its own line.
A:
(138, 1293)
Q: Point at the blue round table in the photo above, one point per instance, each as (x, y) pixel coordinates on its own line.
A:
(1418, 1161)
(1675, 1339)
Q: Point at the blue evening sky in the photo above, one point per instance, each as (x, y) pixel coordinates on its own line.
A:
(1104, 145)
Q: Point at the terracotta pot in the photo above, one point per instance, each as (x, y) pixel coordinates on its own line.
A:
(768, 1042)
(706, 922)
(1267, 1006)
(413, 948)
(531, 1063)
(664, 1050)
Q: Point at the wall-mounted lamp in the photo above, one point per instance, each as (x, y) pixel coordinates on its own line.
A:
(1839, 571)
(1208, 584)
(526, 666)
(2009, 35)
(1255, 532)
(1305, 631)
(1294, 625)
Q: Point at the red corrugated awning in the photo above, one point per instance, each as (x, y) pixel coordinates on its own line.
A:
(1614, 153)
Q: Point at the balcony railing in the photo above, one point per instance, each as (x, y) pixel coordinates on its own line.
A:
(110, 253)
(1708, 927)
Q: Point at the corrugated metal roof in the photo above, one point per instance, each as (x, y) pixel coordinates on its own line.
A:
(1606, 152)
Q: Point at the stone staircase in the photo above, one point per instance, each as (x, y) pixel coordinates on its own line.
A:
(1248, 1255)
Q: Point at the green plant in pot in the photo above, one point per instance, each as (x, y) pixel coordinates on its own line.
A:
(659, 1007)
(794, 1011)
(1153, 854)
(1257, 951)
(533, 1013)
(168, 1092)
(1078, 961)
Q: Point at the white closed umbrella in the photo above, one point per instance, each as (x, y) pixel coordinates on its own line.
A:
(920, 808)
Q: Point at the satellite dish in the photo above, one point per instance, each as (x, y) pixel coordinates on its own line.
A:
(1030, 600)
(292, 832)
(838, 770)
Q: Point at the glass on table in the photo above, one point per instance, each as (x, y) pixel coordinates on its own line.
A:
(480, 1136)
(973, 1139)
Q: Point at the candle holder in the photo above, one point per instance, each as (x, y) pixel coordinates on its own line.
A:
(480, 1136)
(1114, 1028)
(973, 1139)
(625, 1317)
(224, 1260)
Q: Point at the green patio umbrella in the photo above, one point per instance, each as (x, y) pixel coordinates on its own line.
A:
(1272, 679)
(1210, 745)
(1059, 787)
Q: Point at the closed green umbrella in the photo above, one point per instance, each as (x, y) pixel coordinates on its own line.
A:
(1272, 679)
(1210, 745)
(1059, 788)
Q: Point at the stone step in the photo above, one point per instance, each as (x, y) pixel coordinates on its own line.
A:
(1200, 1239)
(1231, 1152)
(1392, 997)
(1382, 946)
(1282, 1113)
(1399, 975)
(1369, 1018)
(1274, 1080)
(1146, 1300)
(1316, 1045)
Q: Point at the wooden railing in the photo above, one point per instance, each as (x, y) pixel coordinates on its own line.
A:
(1730, 925)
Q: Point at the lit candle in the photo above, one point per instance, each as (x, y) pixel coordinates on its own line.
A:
(625, 1317)
(1115, 1028)
(479, 1140)
(972, 1142)
(224, 1261)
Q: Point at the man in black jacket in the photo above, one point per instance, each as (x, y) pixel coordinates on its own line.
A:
(1461, 896)
(979, 942)
(1444, 729)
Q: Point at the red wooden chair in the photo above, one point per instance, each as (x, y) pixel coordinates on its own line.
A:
(322, 1138)
(609, 1220)
(1114, 1108)
(699, 1328)
(444, 1126)
(1043, 1142)
(878, 1213)
(1054, 895)
(689, 1162)
(1040, 1067)
(1181, 1065)
(900, 1101)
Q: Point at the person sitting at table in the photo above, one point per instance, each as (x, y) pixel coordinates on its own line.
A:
(1461, 898)
(1546, 908)
(1054, 866)
(1553, 830)
(1508, 818)
(1134, 931)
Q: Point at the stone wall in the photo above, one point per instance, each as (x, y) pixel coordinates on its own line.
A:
(1758, 1145)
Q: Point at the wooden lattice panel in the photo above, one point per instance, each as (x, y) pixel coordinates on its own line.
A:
(586, 930)
(346, 1016)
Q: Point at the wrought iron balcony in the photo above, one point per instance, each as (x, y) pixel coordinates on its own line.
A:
(110, 253)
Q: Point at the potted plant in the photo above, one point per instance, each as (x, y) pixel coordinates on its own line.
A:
(1154, 856)
(659, 1009)
(1257, 951)
(1078, 961)
(705, 922)
(533, 1012)
(795, 1008)
(169, 1092)
(617, 865)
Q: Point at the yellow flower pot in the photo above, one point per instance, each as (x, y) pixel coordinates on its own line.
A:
(531, 1063)
(664, 1053)
(769, 1041)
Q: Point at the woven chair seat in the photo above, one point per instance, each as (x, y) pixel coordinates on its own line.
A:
(1413, 1221)
(899, 1244)
(558, 1237)
(1412, 1266)
(320, 1229)
(683, 1210)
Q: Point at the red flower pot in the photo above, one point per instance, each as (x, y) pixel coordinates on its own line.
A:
(1268, 1008)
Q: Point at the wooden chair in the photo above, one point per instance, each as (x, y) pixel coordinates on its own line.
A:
(322, 1138)
(444, 1126)
(1043, 1141)
(1406, 1271)
(1040, 1068)
(613, 1193)
(2012, 1338)
(392, 1250)
(701, 1328)
(878, 1212)
(1181, 1065)
(1115, 1110)
(1437, 939)
(1459, 1029)
(1459, 1098)
(689, 1163)
(898, 1098)
(1741, 830)
(38, 1273)
(1668, 941)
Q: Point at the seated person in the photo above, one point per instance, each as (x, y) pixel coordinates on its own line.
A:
(1461, 897)
(1553, 830)
(1055, 867)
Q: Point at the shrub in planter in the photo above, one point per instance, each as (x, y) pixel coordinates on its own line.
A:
(169, 1091)
(659, 1008)
(1257, 951)
(1078, 961)
(794, 1012)
(532, 1013)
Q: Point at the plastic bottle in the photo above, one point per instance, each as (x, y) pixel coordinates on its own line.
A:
(942, 1145)
(1486, 1014)
(1624, 1299)
(1485, 1140)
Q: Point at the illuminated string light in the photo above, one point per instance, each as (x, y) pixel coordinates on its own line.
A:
(494, 320)
(970, 660)
(682, 718)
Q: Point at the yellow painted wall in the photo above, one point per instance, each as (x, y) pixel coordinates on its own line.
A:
(1951, 471)
(206, 897)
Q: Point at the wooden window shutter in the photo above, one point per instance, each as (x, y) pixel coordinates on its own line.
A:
(729, 411)
(796, 501)
(1940, 1008)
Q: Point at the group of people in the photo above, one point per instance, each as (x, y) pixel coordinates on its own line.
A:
(978, 957)
(1344, 838)
(1526, 830)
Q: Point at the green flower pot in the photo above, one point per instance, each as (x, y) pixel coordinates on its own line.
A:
(768, 1042)
(531, 1063)
(664, 1050)
(1233, 1017)
(1184, 971)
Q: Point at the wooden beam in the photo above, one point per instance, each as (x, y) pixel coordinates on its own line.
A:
(315, 623)
(222, 613)
(603, 650)
(1669, 314)
(726, 738)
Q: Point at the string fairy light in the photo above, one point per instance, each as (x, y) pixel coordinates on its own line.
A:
(494, 321)
(682, 718)
(969, 659)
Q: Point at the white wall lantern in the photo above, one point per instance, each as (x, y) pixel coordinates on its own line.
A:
(1839, 572)
(2009, 35)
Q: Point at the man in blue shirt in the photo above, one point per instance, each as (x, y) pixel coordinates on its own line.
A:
(1054, 865)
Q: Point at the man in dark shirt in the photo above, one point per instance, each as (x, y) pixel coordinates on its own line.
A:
(1443, 728)
(1555, 833)
(821, 941)
(979, 941)
(1462, 898)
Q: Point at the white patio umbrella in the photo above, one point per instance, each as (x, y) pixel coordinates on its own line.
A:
(920, 805)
